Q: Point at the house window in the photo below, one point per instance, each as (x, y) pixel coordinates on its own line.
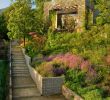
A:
(66, 21)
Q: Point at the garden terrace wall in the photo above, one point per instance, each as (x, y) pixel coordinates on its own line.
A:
(46, 85)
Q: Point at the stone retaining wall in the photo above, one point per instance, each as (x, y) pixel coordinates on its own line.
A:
(46, 85)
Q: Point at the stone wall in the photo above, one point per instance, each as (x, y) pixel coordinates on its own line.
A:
(82, 4)
(46, 85)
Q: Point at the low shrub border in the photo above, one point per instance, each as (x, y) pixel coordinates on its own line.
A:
(69, 94)
(46, 85)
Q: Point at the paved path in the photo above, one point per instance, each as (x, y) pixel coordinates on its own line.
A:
(23, 87)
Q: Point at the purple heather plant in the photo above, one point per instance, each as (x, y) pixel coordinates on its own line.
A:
(59, 71)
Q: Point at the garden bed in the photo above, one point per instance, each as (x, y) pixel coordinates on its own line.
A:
(46, 85)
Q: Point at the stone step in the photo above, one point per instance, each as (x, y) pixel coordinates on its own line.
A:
(22, 80)
(20, 75)
(17, 56)
(19, 65)
(18, 60)
(16, 50)
(20, 72)
(25, 86)
(16, 47)
(57, 97)
(19, 68)
(21, 92)
(25, 98)
(15, 62)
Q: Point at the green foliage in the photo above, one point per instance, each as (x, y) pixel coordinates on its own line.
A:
(20, 20)
(31, 50)
(39, 17)
(103, 7)
(87, 44)
(60, 42)
(3, 79)
(3, 27)
(108, 98)
(52, 17)
(100, 20)
(93, 95)
(75, 79)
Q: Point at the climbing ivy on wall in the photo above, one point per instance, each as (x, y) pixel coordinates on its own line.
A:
(52, 18)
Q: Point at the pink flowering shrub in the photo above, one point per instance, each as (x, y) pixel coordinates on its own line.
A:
(85, 66)
(63, 62)
(73, 61)
(69, 60)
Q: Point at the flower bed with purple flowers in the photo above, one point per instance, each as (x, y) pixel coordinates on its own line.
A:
(45, 85)
(80, 74)
(58, 65)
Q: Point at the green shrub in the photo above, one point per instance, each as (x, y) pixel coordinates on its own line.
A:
(31, 49)
(75, 79)
(93, 95)
(84, 90)
(3, 79)
(59, 42)
(108, 98)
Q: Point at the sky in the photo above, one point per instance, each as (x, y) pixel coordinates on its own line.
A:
(4, 3)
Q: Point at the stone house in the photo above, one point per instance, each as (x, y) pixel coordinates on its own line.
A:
(68, 15)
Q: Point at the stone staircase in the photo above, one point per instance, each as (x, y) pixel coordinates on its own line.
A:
(23, 87)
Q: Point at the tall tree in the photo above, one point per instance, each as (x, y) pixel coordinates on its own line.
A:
(20, 19)
(39, 17)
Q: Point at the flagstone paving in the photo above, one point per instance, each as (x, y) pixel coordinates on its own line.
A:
(23, 87)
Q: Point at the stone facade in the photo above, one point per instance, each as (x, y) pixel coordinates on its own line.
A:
(79, 17)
